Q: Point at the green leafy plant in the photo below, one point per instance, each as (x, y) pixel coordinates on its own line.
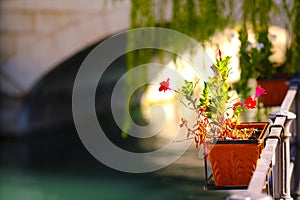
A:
(217, 112)
(295, 46)
(202, 19)
(254, 57)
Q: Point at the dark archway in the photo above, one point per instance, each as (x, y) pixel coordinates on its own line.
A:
(47, 134)
(48, 106)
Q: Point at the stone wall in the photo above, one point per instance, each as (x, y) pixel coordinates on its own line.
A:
(35, 35)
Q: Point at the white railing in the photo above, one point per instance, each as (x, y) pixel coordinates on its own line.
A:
(276, 155)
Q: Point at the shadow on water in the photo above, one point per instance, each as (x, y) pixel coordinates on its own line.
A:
(47, 161)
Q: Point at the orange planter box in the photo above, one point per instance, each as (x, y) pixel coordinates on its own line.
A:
(277, 90)
(233, 162)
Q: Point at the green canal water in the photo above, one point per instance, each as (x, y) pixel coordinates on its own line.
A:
(59, 168)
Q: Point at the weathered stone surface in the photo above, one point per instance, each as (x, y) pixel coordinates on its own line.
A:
(38, 35)
(16, 21)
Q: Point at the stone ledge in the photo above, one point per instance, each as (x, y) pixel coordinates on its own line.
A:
(63, 5)
(16, 21)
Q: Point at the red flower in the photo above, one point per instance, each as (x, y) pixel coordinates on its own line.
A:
(259, 91)
(164, 86)
(250, 103)
(237, 105)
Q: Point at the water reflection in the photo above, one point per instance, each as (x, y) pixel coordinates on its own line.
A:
(58, 167)
(55, 165)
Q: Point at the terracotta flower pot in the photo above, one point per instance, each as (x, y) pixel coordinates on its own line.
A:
(276, 91)
(233, 162)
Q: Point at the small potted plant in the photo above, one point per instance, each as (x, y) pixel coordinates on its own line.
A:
(232, 147)
(255, 64)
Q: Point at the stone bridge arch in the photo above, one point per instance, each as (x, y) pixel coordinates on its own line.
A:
(36, 36)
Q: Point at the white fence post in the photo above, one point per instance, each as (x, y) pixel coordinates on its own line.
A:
(281, 169)
(295, 182)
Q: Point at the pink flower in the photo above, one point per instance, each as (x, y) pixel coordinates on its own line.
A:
(164, 85)
(250, 103)
(259, 91)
